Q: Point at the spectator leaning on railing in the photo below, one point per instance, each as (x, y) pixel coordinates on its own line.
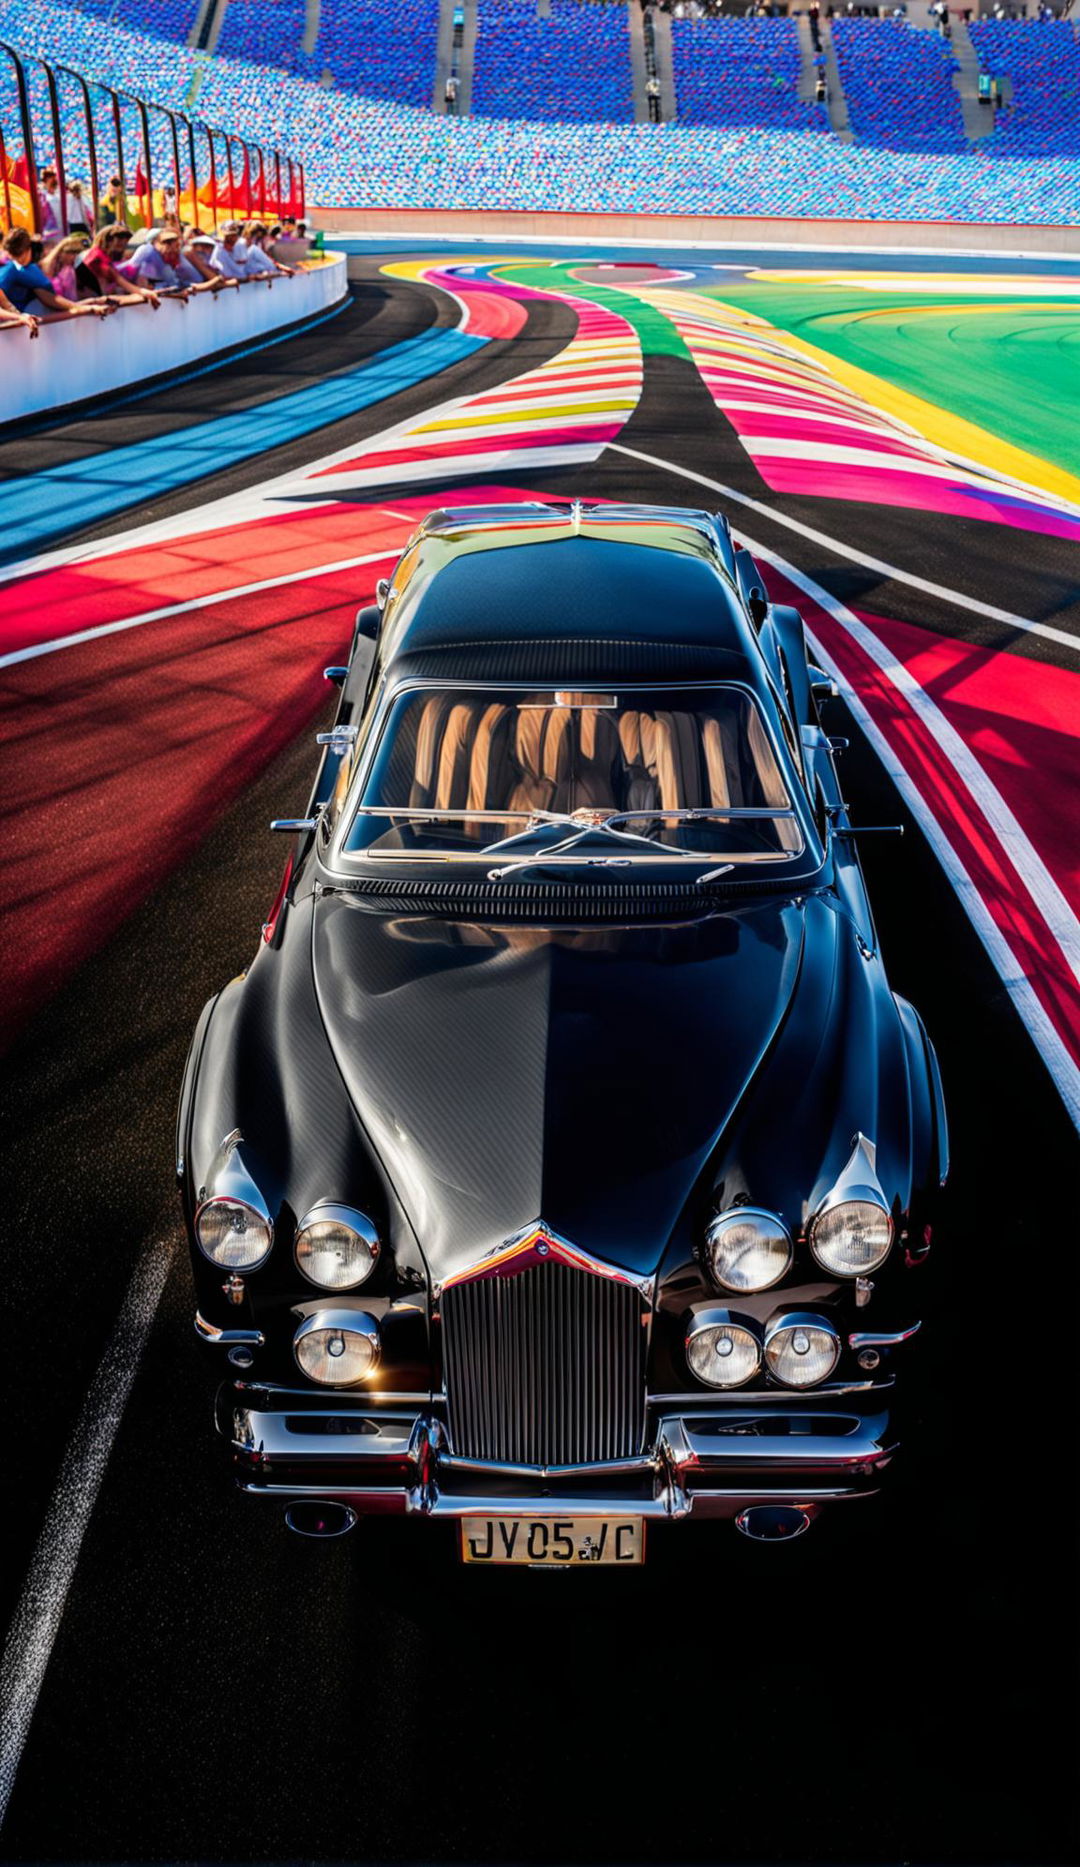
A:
(60, 263)
(9, 317)
(25, 284)
(98, 268)
(225, 258)
(256, 258)
(160, 263)
(198, 251)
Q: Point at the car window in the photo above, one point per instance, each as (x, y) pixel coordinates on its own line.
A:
(481, 761)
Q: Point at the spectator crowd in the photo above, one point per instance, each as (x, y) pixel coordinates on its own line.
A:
(754, 149)
(84, 273)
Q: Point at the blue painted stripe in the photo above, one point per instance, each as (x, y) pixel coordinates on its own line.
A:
(42, 507)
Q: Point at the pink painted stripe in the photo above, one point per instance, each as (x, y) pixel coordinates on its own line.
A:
(829, 480)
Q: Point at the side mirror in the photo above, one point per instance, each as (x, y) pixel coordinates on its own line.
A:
(758, 604)
(337, 675)
(382, 591)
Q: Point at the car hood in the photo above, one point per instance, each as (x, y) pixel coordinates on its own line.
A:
(584, 1078)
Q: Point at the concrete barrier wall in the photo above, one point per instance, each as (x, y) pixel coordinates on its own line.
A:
(691, 229)
(79, 358)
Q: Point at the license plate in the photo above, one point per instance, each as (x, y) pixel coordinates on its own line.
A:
(553, 1542)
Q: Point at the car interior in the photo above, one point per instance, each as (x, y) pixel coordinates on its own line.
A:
(459, 751)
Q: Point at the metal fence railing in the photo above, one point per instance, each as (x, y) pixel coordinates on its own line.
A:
(51, 116)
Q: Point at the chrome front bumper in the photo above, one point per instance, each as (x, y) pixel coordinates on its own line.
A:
(707, 1463)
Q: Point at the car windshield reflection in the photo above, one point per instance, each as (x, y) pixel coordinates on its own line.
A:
(574, 776)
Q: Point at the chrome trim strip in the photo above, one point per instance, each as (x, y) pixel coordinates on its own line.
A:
(614, 1468)
(771, 1396)
(869, 1338)
(862, 1446)
(283, 1437)
(724, 1501)
(227, 1338)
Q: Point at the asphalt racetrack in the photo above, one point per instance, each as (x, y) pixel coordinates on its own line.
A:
(185, 1681)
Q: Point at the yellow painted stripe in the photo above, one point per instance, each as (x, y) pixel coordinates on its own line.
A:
(938, 425)
(466, 418)
(949, 431)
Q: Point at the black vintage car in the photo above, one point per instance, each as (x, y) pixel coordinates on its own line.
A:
(561, 1161)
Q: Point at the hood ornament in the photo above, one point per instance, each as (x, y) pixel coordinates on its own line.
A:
(536, 1244)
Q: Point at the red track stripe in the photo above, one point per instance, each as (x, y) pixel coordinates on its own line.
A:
(999, 883)
(95, 591)
(1020, 717)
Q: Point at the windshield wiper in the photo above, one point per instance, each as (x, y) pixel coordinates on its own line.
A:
(595, 824)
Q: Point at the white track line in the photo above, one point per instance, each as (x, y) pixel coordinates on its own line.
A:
(291, 491)
(1062, 1068)
(41, 1606)
(195, 602)
(1055, 910)
(990, 610)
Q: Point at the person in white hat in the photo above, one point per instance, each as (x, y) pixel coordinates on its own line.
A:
(198, 250)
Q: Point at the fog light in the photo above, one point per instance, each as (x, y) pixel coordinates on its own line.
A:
(337, 1348)
(721, 1351)
(801, 1350)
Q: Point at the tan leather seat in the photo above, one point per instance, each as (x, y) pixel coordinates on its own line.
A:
(678, 761)
(455, 757)
(580, 759)
(716, 765)
(637, 743)
(533, 790)
(428, 742)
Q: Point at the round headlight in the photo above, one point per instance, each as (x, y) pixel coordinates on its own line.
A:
(748, 1249)
(232, 1234)
(722, 1353)
(851, 1238)
(337, 1347)
(336, 1248)
(802, 1350)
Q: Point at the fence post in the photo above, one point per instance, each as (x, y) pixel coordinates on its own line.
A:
(58, 144)
(8, 221)
(91, 137)
(175, 155)
(213, 178)
(148, 172)
(118, 131)
(27, 136)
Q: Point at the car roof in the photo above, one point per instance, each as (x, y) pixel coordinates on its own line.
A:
(531, 590)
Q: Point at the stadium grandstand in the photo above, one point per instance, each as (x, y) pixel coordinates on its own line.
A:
(866, 119)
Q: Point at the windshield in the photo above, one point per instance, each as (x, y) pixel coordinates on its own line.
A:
(458, 771)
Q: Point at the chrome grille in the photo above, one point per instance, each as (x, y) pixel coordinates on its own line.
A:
(545, 1368)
